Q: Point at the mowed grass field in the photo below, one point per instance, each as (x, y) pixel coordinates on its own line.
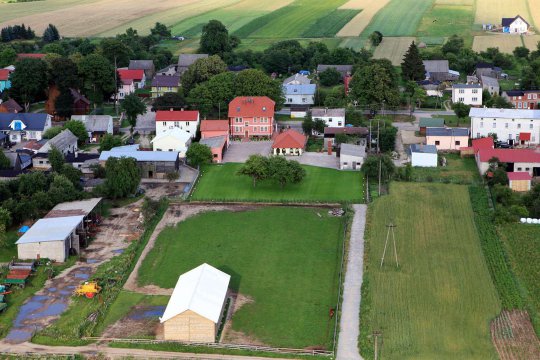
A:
(446, 20)
(220, 182)
(285, 259)
(439, 302)
(505, 43)
(393, 48)
(523, 246)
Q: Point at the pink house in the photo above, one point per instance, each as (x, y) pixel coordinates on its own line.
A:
(251, 116)
(215, 135)
(447, 138)
(131, 80)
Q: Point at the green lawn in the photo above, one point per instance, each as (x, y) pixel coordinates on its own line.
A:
(438, 304)
(398, 18)
(220, 183)
(10, 250)
(452, 121)
(458, 170)
(445, 20)
(523, 246)
(293, 20)
(286, 259)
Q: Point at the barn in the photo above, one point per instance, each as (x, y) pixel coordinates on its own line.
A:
(51, 238)
(195, 307)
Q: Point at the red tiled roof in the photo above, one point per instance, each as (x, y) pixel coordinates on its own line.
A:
(136, 75)
(510, 155)
(289, 139)
(483, 143)
(214, 125)
(250, 106)
(179, 115)
(521, 175)
(524, 136)
(34, 56)
(4, 74)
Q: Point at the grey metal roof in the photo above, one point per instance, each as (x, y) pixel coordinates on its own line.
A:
(323, 112)
(421, 148)
(213, 142)
(504, 113)
(467, 86)
(489, 81)
(297, 79)
(141, 64)
(353, 150)
(341, 68)
(94, 122)
(51, 229)
(307, 89)
(441, 131)
(85, 207)
(185, 60)
(153, 156)
(166, 80)
(61, 141)
(431, 122)
(436, 66)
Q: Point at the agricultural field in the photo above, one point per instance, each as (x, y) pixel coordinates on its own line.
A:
(220, 182)
(393, 48)
(446, 20)
(399, 18)
(357, 25)
(438, 251)
(505, 43)
(283, 261)
(492, 11)
(531, 41)
(534, 9)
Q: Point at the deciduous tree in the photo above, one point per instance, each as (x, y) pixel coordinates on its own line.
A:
(133, 106)
(29, 82)
(98, 78)
(256, 167)
(461, 110)
(122, 177)
(108, 141)
(56, 159)
(215, 38)
(374, 86)
(198, 154)
(78, 129)
(201, 71)
(330, 77)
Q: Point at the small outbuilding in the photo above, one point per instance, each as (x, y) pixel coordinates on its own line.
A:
(289, 142)
(51, 238)
(430, 122)
(423, 155)
(351, 157)
(195, 308)
(519, 181)
(218, 146)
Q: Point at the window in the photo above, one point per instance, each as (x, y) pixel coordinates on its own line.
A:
(527, 169)
(494, 125)
(461, 91)
(236, 129)
(437, 142)
(506, 125)
(535, 96)
(255, 129)
(41, 161)
(519, 169)
(519, 105)
(176, 124)
(461, 99)
(170, 88)
(254, 119)
(475, 91)
(519, 97)
(474, 99)
(339, 123)
(238, 120)
(164, 123)
(246, 123)
(304, 100)
(458, 143)
(514, 98)
(329, 119)
(529, 96)
(519, 126)
(481, 124)
(158, 150)
(530, 126)
(477, 134)
(187, 123)
(289, 99)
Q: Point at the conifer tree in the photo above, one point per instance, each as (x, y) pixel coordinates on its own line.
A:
(412, 66)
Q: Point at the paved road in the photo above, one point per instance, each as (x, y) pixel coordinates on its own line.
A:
(350, 312)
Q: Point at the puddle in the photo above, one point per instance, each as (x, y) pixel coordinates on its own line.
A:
(25, 311)
(147, 312)
(82, 276)
(92, 261)
(51, 310)
(51, 289)
(19, 336)
(39, 298)
(118, 251)
(65, 292)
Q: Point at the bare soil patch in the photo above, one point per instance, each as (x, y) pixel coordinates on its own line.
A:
(513, 335)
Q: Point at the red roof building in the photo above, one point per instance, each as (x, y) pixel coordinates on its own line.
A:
(213, 128)
(517, 160)
(289, 142)
(4, 74)
(519, 175)
(519, 181)
(131, 76)
(252, 116)
(187, 120)
(31, 56)
(483, 143)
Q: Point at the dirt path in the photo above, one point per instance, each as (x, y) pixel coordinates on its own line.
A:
(48, 304)
(175, 214)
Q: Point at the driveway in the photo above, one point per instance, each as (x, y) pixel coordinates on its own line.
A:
(240, 151)
(349, 324)
(146, 122)
(317, 159)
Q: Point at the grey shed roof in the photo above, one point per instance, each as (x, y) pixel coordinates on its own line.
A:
(431, 122)
(340, 68)
(166, 80)
(322, 112)
(141, 64)
(51, 229)
(297, 79)
(466, 86)
(94, 122)
(60, 141)
(353, 150)
(82, 207)
(421, 148)
(214, 142)
(185, 60)
(436, 66)
(441, 131)
(489, 81)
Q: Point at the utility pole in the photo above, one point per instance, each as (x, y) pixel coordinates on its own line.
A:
(370, 137)
(116, 87)
(380, 171)
(390, 228)
(378, 132)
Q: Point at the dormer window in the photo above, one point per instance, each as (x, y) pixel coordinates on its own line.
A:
(264, 108)
(238, 109)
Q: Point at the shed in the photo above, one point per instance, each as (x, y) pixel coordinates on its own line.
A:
(196, 304)
(423, 155)
(65, 142)
(429, 122)
(519, 181)
(50, 238)
(218, 146)
(351, 157)
(289, 142)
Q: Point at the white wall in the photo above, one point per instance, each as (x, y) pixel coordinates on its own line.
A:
(54, 250)
(423, 159)
(299, 99)
(506, 129)
(353, 162)
(188, 126)
(518, 26)
(170, 143)
(332, 121)
(467, 96)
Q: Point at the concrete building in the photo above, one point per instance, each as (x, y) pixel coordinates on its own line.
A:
(331, 117)
(512, 125)
(176, 140)
(218, 146)
(51, 238)
(469, 94)
(351, 157)
(289, 142)
(187, 120)
(423, 155)
(515, 25)
(447, 138)
(194, 310)
(490, 84)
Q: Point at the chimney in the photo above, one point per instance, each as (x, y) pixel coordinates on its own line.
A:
(329, 147)
(171, 109)
(325, 110)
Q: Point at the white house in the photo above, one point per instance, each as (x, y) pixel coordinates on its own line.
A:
(182, 119)
(297, 79)
(515, 25)
(331, 117)
(50, 238)
(469, 94)
(174, 139)
(351, 157)
(299, 94)
(423, 155)
(196, 305)
(517, 126)
(24, 126)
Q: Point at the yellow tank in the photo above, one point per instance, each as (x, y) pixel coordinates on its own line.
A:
(88, 289)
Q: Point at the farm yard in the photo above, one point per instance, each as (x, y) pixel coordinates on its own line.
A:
(393, 48)
(284, 265)
(438, 250)
(221, 183)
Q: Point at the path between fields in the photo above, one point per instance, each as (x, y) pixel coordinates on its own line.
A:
(113, 353)
(349, 325)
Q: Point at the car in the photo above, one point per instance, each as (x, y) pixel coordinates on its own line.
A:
(502, 145)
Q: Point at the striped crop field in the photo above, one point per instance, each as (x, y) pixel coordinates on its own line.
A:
(534, 9)
(361, 21)
(446, 20)
(531, 41)
(492, 11)
(399, 18)
(439, 302)
(393, 49)
(506, 43)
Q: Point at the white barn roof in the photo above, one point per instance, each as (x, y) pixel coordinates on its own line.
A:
(201, 290)
(51, 229)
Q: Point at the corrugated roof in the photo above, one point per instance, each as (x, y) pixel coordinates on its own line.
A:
(510, 155)
(352, 150)
(441, 131)
(431, 122)
(504, 113)
(214, 142)
(489, 81)
(483, 143)
(141, 155)
(202, 290)
(185, 60)
(61, 141)
(51, 229)
(178, 134)
(133, 147)
(297, 79)
(94, 122)
(4, 74)
(85, 207)
(306, 89)
(436, 66)
(141, 64)
(424, 149)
